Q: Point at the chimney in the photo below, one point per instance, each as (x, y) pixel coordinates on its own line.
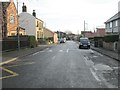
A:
(11, 1)
(24, 8)
(34, 14)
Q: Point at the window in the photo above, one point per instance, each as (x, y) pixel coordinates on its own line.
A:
(110, 24)
(116, 23)
(12, 19)
(12, 34)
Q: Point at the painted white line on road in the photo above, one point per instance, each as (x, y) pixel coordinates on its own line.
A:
(91, 51)
(50, 51)
(11, 60)
(35, 53)
(42, 51)
(60, 50)
(67, 50)
(95, 56)
(86, 60)
(94, 74)
(46, 48)
(99, 54)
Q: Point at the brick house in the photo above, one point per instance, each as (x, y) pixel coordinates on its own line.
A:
(9, 19)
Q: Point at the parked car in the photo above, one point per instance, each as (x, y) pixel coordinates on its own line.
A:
(62, 40)
(84, 43)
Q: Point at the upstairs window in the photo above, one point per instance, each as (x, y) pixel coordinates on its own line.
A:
(12, 19)
(110, 24)
(116, 23)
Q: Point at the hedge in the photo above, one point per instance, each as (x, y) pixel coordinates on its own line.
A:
(98, 38)
(32, 41)
(111, 38)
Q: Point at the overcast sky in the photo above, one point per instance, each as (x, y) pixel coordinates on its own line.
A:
(70, 14)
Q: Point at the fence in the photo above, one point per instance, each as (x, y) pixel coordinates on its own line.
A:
(11, 42)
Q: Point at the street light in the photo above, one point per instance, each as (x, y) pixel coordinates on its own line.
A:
(18, 37)
(85, 27)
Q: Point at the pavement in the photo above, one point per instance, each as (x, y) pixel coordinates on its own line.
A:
(106, 52)
(10, 56)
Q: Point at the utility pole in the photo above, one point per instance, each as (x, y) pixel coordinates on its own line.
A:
(84, 28)
(18, 37)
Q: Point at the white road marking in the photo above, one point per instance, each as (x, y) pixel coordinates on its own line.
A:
(91, 51)
(60, 50)
(99, 54)
(67, 50)
(42, 51)
(50, 51)
(94, 74)
(35, 53)
(86, 60)
(95, 56)
(46, 48)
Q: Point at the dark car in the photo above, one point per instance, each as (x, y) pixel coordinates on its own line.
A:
(84, 43)
(62, 40)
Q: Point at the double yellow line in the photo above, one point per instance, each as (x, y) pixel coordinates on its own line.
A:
(8, 61)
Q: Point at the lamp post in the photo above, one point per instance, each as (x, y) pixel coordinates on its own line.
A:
(84, 27)
(18, 37)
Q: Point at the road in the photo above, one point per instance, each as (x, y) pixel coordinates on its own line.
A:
(62, 66)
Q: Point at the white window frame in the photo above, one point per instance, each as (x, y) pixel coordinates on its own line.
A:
(110, 24)
(116, 23)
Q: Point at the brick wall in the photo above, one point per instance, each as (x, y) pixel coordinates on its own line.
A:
(11, 19)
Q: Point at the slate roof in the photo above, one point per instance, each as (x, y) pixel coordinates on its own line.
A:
(116, 16)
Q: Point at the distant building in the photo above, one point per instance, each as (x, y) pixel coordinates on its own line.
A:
(61, 34)
(112, 24)
(100, 32)
(88, 34)
(51, 36)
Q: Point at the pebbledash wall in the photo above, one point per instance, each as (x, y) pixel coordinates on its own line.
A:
(111, 46)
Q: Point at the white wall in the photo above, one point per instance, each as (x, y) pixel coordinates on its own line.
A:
(28, 22)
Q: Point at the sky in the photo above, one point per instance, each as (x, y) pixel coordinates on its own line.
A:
(69, 15)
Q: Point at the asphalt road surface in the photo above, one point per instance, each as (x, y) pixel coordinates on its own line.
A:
(62, 66)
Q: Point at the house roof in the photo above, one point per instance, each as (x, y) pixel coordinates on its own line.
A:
(5, 5)
(48, 30)
(116, 16)
(39, 19)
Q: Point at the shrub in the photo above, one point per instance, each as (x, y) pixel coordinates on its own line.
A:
(111, 38)
(32, 41)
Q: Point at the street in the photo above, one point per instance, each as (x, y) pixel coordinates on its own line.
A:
(62, 66)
